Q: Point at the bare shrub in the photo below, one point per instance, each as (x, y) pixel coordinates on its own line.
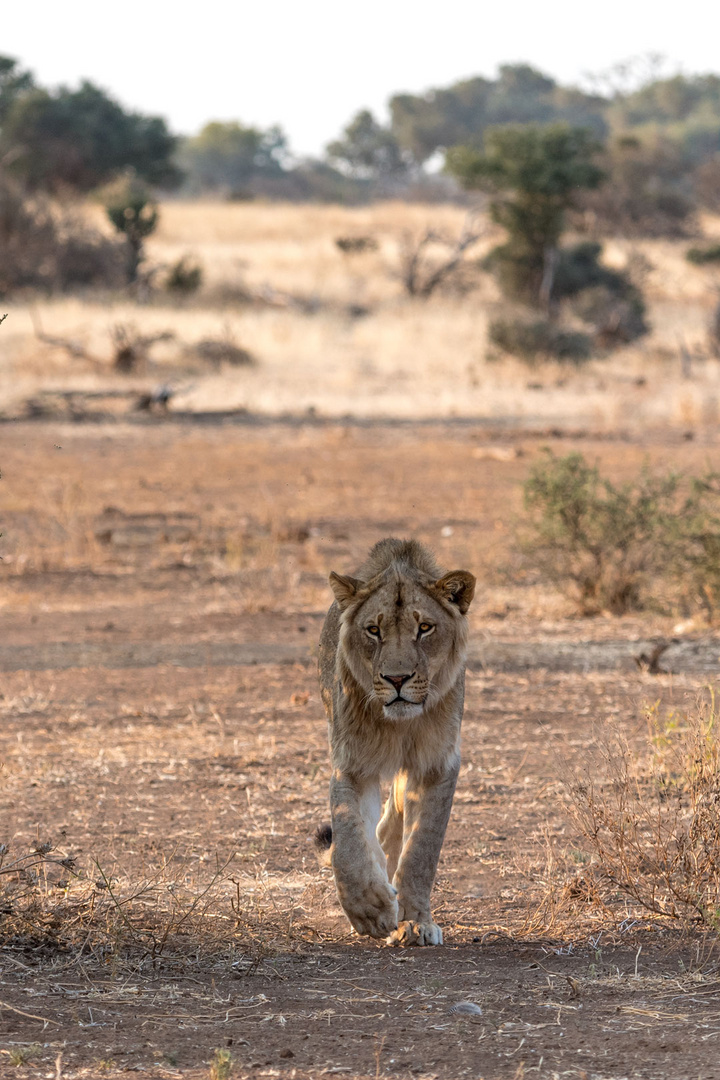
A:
(220, 350)
(67, 905)
(645, 194)
(652, 823)
(609, 547)
(85, 257)
(131, 348)
(27, 240)
(356, 245)
(45, 247)
(421, 273)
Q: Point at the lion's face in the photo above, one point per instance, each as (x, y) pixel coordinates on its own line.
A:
(404, 639)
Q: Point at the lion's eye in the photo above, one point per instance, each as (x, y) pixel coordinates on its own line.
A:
(425, 628)
(373, 630)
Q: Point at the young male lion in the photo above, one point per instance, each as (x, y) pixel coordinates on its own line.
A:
(392, 671)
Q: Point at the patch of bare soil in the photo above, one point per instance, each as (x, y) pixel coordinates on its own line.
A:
(165, 764)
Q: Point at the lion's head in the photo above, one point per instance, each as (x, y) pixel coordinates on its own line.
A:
(403, 634)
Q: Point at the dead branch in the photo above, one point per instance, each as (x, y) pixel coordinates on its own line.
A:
(421, 280)
(74, 348)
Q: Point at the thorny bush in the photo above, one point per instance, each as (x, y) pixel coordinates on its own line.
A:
(652, 542)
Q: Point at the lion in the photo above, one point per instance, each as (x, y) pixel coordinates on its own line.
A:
(392, 674)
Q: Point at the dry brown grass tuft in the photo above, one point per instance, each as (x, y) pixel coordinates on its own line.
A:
(651, 822)
(66, 907)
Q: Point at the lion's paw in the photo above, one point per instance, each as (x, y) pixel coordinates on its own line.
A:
(416, 933)
(374, 910)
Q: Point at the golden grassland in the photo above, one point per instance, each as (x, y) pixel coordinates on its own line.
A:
(402, 357)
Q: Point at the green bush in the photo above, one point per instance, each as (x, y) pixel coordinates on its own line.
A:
(517, 270)
(184, 276)
(609, 547)
(615, 319)
(579, 267)
(604, 299)
(700, 256)
(535, 340)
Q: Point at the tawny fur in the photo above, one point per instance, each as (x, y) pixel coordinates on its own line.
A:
(376, 635)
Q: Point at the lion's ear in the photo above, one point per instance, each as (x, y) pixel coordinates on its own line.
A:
(458, 587)
(345, 588)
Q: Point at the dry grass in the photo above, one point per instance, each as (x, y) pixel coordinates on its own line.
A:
(403, 358)
(651, 823)
(74, 907)
(186, 793)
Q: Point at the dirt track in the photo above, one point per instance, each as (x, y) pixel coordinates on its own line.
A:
(163, 593)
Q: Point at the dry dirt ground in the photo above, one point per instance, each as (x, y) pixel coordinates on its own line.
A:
(162, 594)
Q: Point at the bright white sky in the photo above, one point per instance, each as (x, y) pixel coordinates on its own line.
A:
(309, 65)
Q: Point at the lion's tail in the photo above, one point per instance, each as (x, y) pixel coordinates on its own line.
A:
(323, 842)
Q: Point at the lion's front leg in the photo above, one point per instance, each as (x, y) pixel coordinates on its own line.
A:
(390, 829)
(426, 810)
(358, 861)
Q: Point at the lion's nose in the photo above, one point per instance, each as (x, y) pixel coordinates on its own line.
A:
(398, 681)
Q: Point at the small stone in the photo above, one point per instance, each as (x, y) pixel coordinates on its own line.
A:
(466, 1008)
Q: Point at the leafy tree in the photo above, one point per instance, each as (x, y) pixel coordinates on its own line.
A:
(648, 190)
(440, 118)
(535, 174)
(666, 101)
(229, 155)
(461, 113)
(81, 138)
(368, 150)
(681, 113)
(13, 83)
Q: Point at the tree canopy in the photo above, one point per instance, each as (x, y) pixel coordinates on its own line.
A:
(682, 112)
(13, 83)
(228, 155)
(368, 149)
(534, 174)
(77, 138)
(461, 113)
